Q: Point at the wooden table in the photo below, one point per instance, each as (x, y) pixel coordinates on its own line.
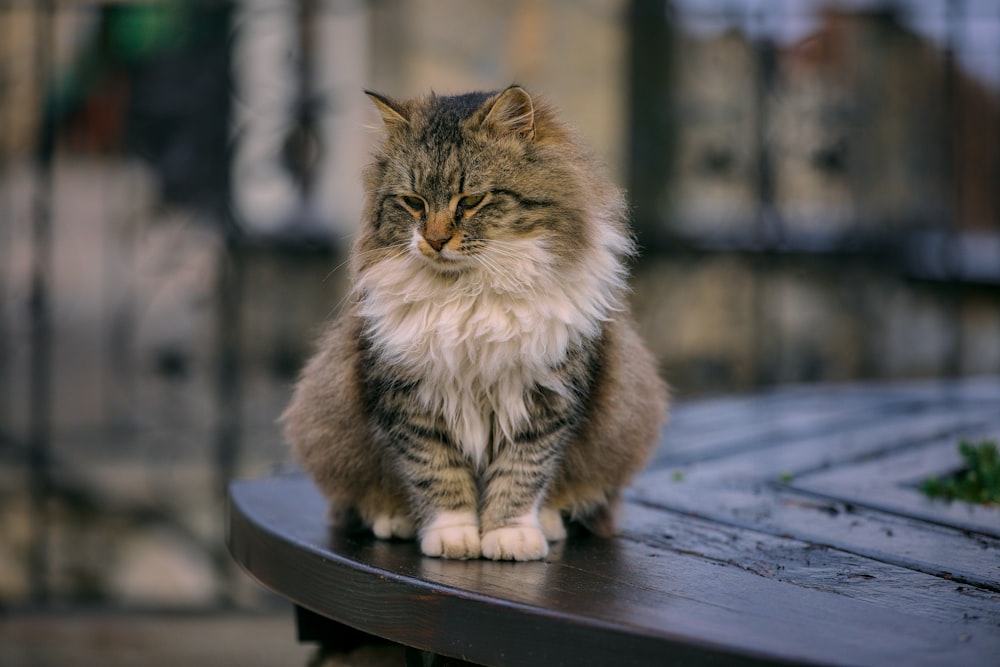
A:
(783, 527)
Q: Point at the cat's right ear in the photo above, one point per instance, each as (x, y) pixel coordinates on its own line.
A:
(512, 113)
(392, 112)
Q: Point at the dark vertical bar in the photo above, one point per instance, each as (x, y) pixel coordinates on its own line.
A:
(953, 114)
(120, 244)
(303, 146)
(650, 115)
(229, 375)
(229, 341)
(994, 174)
(6, 239)
(766, 229)
(307, 103)
(39, 316)
(954, 172)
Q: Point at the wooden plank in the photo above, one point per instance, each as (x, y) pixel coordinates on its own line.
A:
(712, 428)
(749, 427)
(743, 489)
(971, 559)
(807, 452)
(607, 601)
(788, 427)
(891, 484)
(814, 566)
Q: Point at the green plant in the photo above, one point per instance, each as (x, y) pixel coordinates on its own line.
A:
(978, 482)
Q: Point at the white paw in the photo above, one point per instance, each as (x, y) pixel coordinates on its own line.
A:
(451, 535)
(515, 543)
(388, 526)
(552, 524)
(451, 542)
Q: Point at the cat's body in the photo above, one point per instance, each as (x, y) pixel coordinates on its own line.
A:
(486, 379)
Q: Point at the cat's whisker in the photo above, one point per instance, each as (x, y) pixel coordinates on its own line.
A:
(491, 270)
(503, 275)
(521, 258)
(509, 274)
(500, 254)
(401, 253)
(516, 245)
(492, 256)
(347, 261)
(505, 248)
(335, 269)
(496, 247)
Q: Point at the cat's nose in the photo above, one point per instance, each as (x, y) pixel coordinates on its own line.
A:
(437, 242)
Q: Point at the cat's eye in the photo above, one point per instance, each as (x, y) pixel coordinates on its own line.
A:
(470, 201)
(414, 203)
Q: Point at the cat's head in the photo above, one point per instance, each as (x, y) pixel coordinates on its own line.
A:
(484, 182)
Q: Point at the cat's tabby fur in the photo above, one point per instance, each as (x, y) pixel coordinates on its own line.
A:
(486, 381)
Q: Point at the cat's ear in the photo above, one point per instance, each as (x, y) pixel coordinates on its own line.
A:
(392, 112)
(512, 113)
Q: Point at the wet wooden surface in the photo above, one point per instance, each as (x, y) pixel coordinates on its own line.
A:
(779, 528)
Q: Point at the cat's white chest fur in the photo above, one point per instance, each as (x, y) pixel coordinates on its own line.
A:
(477, 349)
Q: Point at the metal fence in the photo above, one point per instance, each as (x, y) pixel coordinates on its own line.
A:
(815, 190)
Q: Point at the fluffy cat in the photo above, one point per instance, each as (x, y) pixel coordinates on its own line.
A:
(485, 382)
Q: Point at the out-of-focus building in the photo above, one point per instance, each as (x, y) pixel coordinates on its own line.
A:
(859, 131)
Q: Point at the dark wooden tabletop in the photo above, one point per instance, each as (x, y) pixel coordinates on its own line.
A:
(784, 527)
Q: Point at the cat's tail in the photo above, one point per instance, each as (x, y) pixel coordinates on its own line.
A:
(601, 519)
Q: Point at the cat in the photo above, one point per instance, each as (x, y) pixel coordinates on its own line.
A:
(485, 381)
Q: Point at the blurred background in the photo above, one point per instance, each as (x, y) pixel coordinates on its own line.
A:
(815, 186)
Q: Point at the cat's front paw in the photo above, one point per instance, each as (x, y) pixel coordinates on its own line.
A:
(451, 535)
(388, 526)
(515, 543)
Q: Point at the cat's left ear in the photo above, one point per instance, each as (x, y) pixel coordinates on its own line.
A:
(392, 112)
(512, 113)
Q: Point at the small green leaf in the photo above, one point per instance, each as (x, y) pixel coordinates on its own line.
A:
(978, 482)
